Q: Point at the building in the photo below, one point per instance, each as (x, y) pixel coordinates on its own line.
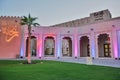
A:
(96, 36)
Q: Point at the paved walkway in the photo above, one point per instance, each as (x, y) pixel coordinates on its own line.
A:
(101, 61)
(89, 61)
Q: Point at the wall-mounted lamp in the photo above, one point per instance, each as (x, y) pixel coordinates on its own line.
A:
(32, 30)
(113, 26)
(68, 31)
(91, 29)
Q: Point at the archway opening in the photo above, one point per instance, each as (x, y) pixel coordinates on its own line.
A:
(67, 47)
(84, 47)
(33, 46)
(104, 49)
(49, 46)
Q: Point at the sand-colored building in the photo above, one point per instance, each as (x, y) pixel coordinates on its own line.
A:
(96, 36)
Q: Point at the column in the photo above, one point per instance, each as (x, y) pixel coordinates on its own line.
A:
(73, 50)
(96, 45)
(75, 46)
(79, 46)
(118, 35)
(55, 46)
(115, 44)
(42, 45)
(92, 44)
(58, 46)
(38, 46)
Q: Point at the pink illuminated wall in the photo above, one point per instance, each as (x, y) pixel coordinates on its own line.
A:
(10, 37)
(13, 46)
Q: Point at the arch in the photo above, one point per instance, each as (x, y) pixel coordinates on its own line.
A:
(66, 46)
(33, 46)
(104, 46)
(49, 46)
(84, 46)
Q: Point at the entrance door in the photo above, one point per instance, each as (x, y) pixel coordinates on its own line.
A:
(88, 50)
(107, 50)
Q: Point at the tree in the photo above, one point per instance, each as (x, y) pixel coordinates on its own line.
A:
(30, 22)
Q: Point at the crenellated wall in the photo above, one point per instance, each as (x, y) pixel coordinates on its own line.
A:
(10, 36)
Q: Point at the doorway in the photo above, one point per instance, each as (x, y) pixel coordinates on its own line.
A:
(104, 46)
(84, 46)
(49, 46)
(33, 46)
(67, 47)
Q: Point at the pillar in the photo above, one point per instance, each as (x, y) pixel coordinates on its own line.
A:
(40, 48)
(118, 35)
(75, 46)
(55, 46)
(92, 44)
(58, 46)
(115, 43)
(79, 38)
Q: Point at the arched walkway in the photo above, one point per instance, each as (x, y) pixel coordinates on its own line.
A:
(104, 49)
(84, 46)
(67, 47)
(33, 46)
(49, 47)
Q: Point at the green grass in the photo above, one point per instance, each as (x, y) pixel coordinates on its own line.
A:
(53, 70)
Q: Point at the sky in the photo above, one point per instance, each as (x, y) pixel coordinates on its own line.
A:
(51, 12)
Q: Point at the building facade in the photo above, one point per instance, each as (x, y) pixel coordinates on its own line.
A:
(96, 36)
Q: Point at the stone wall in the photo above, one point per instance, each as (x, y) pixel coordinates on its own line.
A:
(10, 36)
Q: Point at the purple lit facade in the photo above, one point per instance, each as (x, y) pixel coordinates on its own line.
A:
(97, 36)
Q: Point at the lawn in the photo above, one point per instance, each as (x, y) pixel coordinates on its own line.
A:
(53, 70)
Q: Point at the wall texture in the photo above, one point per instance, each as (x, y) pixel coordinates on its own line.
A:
(10, 36)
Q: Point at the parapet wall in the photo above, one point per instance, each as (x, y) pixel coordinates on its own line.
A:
(93, 18)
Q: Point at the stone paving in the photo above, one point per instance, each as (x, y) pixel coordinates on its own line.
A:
(90, 61)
